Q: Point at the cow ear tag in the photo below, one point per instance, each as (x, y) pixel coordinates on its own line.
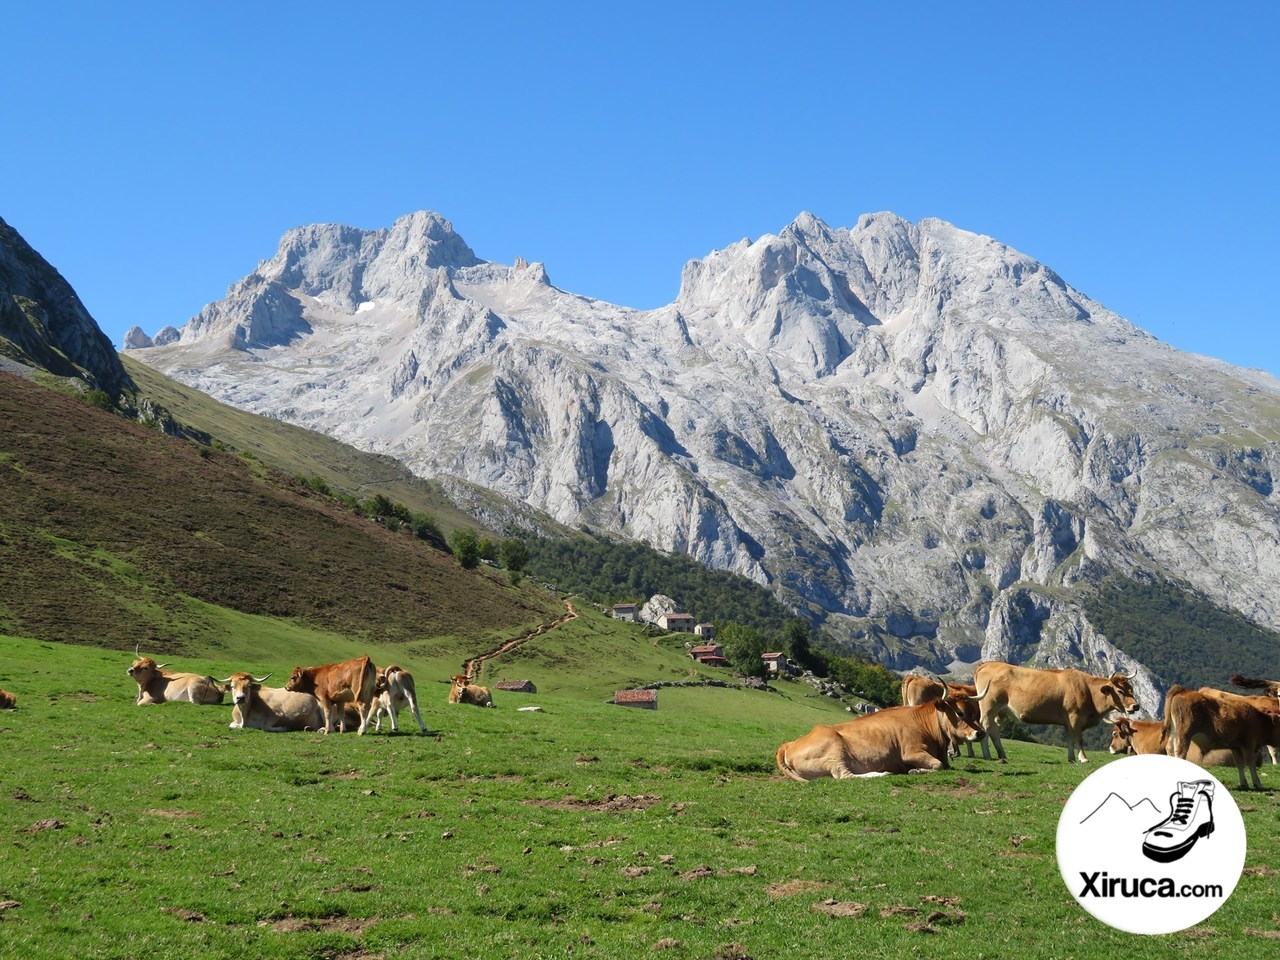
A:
(1151, 844)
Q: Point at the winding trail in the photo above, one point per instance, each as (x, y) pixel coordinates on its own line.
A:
(472, 667)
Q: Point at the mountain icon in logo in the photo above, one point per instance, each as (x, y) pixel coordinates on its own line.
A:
(1116, 806)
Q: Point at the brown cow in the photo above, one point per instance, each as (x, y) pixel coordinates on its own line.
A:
(896, 740)
(1147, 736)
(1065, 698)
(157, 685)
(272, 709)
(1267, 704)
(394, 692)
(337, 684)
(464, 691)
(8, 701)
(1219, 720)
(1271, 686)
(917, 690)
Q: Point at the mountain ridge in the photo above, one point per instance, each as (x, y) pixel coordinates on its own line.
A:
(916, 433)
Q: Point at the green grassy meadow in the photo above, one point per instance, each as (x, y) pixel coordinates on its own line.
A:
(582, 830)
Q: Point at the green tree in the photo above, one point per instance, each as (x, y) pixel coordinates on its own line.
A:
(466, 548)
(744, 647)
(798, 637)
(488, 550)
(515, 555)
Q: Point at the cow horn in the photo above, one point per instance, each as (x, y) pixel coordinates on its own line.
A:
(226, 680)
(260, 679)
(1130, 676)
(946, 691)
(985, 691)
(161, 666)
(137, 649)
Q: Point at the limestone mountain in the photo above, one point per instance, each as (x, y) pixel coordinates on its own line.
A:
(926, 439)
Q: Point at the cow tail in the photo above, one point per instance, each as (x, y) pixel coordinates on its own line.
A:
(786, 767)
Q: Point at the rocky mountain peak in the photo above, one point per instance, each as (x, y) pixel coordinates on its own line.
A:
(920, 432)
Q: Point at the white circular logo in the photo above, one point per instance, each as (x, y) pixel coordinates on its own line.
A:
(1151, 844)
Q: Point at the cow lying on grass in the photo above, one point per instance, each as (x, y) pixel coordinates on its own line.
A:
(896, 740)
(158, 685)
(8, 701)
(272, 709)
(464, 691)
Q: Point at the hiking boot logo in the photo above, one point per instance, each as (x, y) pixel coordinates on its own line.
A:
(1190, 818)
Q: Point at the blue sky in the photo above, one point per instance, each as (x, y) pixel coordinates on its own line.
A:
(154, 154)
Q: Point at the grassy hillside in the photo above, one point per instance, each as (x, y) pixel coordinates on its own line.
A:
(294, 450)
(114, 534)
(583, 830)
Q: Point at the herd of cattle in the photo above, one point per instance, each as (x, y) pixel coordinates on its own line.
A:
(1206, 726)
(315, 698)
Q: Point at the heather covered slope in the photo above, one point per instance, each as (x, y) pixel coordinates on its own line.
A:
(112, 534)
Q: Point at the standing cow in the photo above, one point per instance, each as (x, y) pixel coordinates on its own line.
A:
(1064, 698)
(394, 692)
(896, 740)
(1213, 719)
(158, 685)
(338, 684)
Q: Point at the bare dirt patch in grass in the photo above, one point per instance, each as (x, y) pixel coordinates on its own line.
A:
(791, 888)
(610, 803)
(840, 908)
(335, 924)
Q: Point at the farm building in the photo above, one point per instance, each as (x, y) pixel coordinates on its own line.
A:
(707, 631)
(517, 686)
(676, 622)
(710, 654)
(644, 699)
(777, 663)
(626, 611)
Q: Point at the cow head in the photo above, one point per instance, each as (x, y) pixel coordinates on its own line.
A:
(243, 687)
(959, 715)
(144, 670)
(1121, 736)
(301, 681)
(1119, 690)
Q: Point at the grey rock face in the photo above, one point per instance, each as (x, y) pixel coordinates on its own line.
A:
(46, 324)
(905, 426)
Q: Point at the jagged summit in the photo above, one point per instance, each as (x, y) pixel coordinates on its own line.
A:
(922, 433)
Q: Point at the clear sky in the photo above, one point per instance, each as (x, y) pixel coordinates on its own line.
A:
(154, 153)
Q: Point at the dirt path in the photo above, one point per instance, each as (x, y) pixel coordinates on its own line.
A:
(472, 666)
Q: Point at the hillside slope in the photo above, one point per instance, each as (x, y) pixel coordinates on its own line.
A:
(114, 534)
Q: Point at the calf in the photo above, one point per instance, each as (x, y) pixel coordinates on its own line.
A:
(8, 701)
(272, 709)
(337, 684)
(158, 685)
(395, 691)
(464, 691)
